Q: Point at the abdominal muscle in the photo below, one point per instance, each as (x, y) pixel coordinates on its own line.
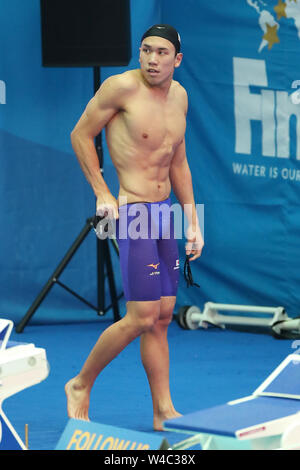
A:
(139, 188)
(143, 170)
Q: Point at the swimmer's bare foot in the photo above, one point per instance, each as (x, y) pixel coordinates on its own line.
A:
(160, 417)
(78, 400)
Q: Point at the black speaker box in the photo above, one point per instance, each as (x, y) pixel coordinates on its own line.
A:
(85, 33)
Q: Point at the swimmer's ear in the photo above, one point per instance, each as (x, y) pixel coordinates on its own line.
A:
(178, 59)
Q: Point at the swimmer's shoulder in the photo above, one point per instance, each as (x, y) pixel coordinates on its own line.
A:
(116, 90)
(125, 82)
(180, 94)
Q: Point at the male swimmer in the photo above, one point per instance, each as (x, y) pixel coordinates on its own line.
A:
(144, 114)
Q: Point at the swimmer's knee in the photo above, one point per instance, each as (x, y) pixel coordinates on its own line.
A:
(143, 315)
(167, 305)
(147, 323)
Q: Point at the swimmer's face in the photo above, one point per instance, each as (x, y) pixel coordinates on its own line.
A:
(158, 60)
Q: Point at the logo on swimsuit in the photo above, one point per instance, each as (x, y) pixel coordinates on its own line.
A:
(177, 264)
(155, 266)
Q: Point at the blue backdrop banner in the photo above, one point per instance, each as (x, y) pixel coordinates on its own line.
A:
(242, 74)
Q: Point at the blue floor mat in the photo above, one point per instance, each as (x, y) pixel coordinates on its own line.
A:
(208, 368)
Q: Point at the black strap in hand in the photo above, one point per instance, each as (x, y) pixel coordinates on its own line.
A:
(188, 273)
(96, 219)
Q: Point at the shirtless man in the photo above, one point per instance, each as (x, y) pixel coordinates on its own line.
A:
(144, 113)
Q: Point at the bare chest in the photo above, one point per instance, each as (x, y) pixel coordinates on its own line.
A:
(153, 124)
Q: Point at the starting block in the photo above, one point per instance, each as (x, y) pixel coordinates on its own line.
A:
(269, 419)
(274, 318)
(21, 366)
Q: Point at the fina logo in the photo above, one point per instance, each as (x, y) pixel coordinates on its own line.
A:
(2, 92)
(273, 108)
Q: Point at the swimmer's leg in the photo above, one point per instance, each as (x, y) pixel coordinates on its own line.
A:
(140, 317)
(155, 358)
(154, 343)
(139, 267)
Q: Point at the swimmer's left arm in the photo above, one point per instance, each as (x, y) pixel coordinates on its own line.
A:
(182, 185)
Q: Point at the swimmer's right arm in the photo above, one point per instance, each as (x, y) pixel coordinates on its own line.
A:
(109, 99)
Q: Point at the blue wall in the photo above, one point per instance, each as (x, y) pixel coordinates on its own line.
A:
(241, 142)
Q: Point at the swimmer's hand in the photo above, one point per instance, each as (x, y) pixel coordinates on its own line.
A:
(195, 243)
(107, 206)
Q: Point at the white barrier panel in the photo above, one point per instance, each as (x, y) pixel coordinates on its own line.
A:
(21, 366)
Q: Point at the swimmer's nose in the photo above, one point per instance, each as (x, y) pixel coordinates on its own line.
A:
(153, 59)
